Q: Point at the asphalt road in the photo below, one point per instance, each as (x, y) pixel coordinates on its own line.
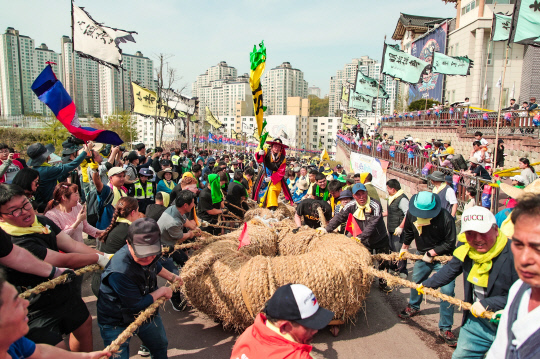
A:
(376, 332)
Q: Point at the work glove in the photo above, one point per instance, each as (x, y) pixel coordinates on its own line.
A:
(478, 309)
(402, 253)
(398, 231)
(70, 273)
(103, 259)
(267, 179)
(420, 289)
(497, 317)
(296, 230)
(204, 224)
(322, 230)
(224, 210)
(427, 258)
(261, 153)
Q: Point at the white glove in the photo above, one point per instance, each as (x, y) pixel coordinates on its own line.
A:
(398, 231)
(478, 310)
(103, 259)
(267, 179)
(427, 258)
(322, 230)
(204, 224)
(261, 153)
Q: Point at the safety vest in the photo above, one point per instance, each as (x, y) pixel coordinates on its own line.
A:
(174, 160)
(140, 192)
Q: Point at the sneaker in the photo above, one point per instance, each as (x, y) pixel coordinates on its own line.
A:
(143, 351)
(449, 337)
(178, 304)
(408, 312)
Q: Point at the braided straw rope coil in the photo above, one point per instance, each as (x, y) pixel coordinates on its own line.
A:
(232, 285)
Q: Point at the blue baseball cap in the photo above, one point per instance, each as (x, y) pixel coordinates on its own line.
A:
(358, 187)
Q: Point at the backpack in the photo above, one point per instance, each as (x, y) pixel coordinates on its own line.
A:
(459, 162)
(94, 207)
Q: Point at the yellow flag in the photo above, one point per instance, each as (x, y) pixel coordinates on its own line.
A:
(214, 122)
(258, 64)
(324, 156)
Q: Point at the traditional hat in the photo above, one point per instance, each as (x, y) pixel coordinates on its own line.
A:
(277, 141)
(514, 192)
(167, 170)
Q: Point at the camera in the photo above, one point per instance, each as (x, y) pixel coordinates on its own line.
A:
(75, 141)
(122, 148)
(148, 150)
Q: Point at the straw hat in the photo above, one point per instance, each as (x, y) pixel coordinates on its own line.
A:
(514, 192)
(167, 170)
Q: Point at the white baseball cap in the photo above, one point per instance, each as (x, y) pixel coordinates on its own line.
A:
(477, 219)
(518, 178)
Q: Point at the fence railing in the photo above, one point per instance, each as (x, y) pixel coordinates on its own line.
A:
(511, 123)
(416, 165)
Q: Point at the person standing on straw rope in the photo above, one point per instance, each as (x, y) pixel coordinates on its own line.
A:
(485, 259)
(367, 213)
(434, 230)
(518, 334)
(273, 166)
(285, 328)
(129, 286)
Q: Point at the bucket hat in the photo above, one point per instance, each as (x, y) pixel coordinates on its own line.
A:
(425, 205)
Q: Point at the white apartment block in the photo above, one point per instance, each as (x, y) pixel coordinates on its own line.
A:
(315, 91)
(115, 86)
(323, 130)
(81, 80)
(280, 83)
(368, 67)
(220, 88)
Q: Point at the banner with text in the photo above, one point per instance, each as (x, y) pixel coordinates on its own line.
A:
(377, 168)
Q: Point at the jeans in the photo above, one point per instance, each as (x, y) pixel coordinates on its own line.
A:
(421, 272)
(152, 334)
(475, 338)
(168, 264)
(395, 246)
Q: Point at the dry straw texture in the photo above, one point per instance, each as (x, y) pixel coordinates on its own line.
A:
(232, 285)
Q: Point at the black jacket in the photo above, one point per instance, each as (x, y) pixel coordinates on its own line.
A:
(374, 235)
(440, 235)
(501, 277)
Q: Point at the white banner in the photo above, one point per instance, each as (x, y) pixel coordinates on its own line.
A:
(377, 168)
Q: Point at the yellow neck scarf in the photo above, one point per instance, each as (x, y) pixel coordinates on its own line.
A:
(166, 198)
(118, 193)
(396, 195)
(123, 220)
(359, 213)
(169, 184)
(482, 262)
(21, 231)
(421, 222)
(507, 227)
(440, 188)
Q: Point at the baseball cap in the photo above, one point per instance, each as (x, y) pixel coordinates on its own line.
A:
(144, 237)
(146, 172)
(297, 303)
(114, 171)
(477, 219)
(518, 178)
(358, 187)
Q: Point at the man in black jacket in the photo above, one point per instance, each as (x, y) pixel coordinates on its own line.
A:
(367, 213)
(482, 245)
(434, 231)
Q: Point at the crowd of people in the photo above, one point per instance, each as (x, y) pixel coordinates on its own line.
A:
(139, 204)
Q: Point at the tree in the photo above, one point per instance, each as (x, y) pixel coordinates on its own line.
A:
(123, 123)
(318, 106)
(54, 131)
(420, 105)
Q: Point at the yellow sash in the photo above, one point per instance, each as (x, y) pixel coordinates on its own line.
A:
(21, 231)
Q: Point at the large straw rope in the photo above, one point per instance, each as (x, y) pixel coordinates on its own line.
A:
(397, 281)
(415, 257)
(57, 281)
(322, 218)
(232, 205)
(141, 318)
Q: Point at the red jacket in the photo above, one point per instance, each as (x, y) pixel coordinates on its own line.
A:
(261, 342)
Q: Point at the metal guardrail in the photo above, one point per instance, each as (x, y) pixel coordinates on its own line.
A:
(401, 162)
(511, 123)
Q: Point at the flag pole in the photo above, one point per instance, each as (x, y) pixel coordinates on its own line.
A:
(485, 73)
(500, 106)
(378, 88)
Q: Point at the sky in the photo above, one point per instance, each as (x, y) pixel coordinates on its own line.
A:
(317, 37)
